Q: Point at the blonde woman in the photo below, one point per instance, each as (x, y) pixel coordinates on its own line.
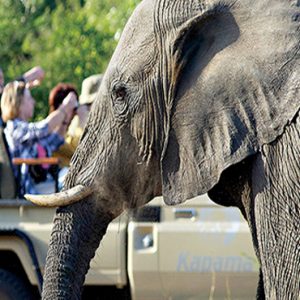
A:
(32, 139)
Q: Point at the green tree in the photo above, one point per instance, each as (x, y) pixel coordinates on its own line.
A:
(69, 39)
(13, 29)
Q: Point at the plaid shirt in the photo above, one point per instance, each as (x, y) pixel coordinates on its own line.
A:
(23, 139)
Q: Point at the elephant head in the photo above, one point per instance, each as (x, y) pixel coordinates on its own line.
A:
(193, 87)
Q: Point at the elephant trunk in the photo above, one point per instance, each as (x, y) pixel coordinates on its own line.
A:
(75, 237)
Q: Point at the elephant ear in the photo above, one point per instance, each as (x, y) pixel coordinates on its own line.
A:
(234, 87)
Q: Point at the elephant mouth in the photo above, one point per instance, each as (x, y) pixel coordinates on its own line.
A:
(63, 198)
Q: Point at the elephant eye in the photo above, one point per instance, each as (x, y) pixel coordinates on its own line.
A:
(120, 105)
(120, 93)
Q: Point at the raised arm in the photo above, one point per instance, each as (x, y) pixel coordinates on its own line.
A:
(63, 114)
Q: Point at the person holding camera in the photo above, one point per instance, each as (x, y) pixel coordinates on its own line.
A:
(32, 139)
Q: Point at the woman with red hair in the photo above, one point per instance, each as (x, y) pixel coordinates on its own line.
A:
(55, 100)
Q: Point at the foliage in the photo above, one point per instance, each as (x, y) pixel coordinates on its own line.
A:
(13, 28)
(69, 39)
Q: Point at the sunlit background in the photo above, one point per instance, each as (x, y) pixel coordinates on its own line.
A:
(70, 39)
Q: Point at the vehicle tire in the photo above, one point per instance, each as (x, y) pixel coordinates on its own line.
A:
(12, 287)
(105, 292)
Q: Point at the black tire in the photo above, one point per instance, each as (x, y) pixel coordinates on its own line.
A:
(105, 293)
(13, 288)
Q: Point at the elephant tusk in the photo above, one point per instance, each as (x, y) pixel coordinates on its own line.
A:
(64, 198)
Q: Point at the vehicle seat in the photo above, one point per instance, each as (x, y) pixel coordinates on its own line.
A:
(8, 186)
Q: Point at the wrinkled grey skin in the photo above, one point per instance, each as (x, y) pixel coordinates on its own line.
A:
(200, 96)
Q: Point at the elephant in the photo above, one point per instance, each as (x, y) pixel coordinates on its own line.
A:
(198, 97)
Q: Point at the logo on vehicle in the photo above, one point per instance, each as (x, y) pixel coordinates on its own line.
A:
(191, 263)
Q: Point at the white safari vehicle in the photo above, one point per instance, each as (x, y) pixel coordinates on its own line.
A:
(198, 250)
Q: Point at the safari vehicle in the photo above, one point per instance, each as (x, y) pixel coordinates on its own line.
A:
(198, 250)
(194, 251)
